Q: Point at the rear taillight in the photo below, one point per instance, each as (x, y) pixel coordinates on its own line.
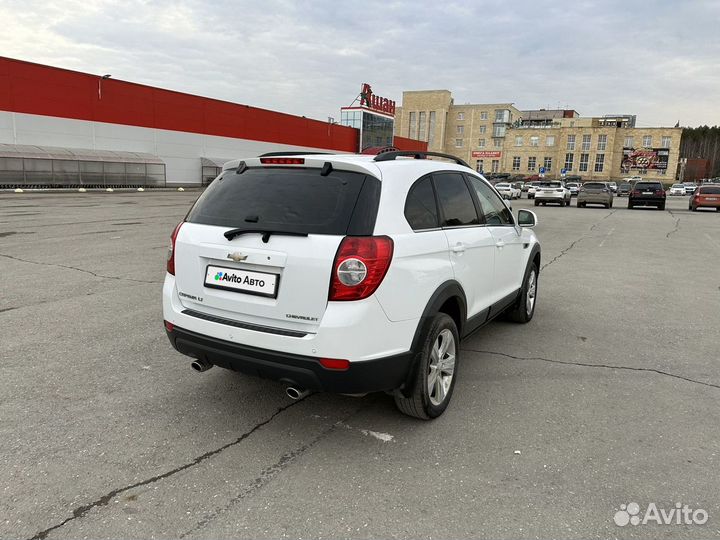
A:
(171, 251)
(335, 364)
(360, 266)
(635, 192)
(661, 193)
(282, 161)
(169, 326)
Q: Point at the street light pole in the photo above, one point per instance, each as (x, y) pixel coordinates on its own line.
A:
(100, 80)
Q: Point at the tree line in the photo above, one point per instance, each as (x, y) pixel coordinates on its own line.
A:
(702, 142)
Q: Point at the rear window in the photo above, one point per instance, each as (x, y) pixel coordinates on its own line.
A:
(679, 186)
(648, 185)
(594, 185)
(502, 186)
(710, 190)
(550, 184)
(625, 186)
(281, 199)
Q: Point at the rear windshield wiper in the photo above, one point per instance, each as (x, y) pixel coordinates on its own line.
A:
(265, 233)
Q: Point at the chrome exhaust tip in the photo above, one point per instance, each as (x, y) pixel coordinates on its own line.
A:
(295, 393)
(200, 365)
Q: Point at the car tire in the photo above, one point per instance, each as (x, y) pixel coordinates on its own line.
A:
(630, 205)
(440, 346)
(537, 203)
(523, 311)
(610, 205)
(661, 206)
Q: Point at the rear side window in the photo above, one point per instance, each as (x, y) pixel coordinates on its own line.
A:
(709, 190)
(281, 199)
(455, 200)
(420, 207)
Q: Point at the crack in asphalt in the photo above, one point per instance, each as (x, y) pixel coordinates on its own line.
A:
(81, 511)
(77, 269)
(677, 224)
(575, 242)
(601, 366)
(267, 475)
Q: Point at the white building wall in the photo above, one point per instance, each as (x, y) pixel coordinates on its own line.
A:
(180, 151)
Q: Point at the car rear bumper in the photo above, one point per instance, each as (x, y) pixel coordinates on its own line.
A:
(594, 199)
(649, 201)
(544, 197)
(706, 204)
(304, 372)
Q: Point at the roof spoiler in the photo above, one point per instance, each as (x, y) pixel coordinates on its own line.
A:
(390, 156)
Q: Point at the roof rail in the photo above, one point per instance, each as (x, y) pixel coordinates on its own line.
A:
(293, 153)
(390, 156)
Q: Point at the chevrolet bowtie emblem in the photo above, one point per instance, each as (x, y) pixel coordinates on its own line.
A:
(237, 257)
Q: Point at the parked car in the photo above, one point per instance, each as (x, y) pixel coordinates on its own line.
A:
(532, 188)
(705, 196)
(613, 186)
(624, 189)
(647, 193)
(677, 189)
(595, 193)
(300, 268)
(574, 187)
(552, 191)
(507, 191)
(690, 188)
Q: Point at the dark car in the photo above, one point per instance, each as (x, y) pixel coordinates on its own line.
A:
(706, 196)
(647, 193)
(624, 190)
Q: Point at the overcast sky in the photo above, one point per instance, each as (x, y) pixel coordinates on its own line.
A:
(659, 60)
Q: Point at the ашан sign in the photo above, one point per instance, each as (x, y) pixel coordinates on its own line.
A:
(377, 103)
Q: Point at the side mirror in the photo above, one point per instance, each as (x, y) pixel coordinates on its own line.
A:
(527, 219)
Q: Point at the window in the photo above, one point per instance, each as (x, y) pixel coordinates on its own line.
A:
(421, 126)
(534, 141)
(518, 141)
(586, 142)
(550, 140)
(584, 160)
(493, 210)
(647, 141)
(458, 143)
(499, 131)
(571, 142)
(569, 161)
(602, 143)
(502, 116)
(547, 163)
(483, 115)
(599, 162)
(412, 129)
(516, 163)
(495, 165)
(460, 130)
(481, 143)
(628, 142)
(431, 129)
(532, 163)
(479, 166)
(665, 142)
(497, 143)
(420, 208)
(455, 200)
(461, 116)
(483, 129)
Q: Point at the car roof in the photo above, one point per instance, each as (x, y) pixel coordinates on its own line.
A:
(363, 163)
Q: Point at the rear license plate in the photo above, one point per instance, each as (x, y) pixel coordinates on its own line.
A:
(711, 199)
(242, 281)
(648, 193)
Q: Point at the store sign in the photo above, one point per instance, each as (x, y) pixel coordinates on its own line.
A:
(377, 103)
(486, 154)
(644, 158)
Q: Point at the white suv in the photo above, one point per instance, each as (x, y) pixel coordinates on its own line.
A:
(347, 273)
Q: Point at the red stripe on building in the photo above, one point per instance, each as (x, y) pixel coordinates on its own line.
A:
(44, 90)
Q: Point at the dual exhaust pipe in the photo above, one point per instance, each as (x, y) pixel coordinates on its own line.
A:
(201, 365)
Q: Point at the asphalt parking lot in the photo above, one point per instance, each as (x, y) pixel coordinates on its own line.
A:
(609, 396)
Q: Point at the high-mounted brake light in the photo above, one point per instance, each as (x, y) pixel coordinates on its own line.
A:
(171, 251)
(282, 161)
(360, 266)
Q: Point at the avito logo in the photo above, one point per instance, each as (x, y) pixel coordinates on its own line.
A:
(682, 514)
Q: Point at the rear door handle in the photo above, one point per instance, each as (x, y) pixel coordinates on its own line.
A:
(458, 248)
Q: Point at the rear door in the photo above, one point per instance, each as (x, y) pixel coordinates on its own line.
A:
(277, 272)
(471, 245)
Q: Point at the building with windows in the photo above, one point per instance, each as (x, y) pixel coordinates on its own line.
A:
(501, 138)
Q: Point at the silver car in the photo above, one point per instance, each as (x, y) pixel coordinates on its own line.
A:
(595, 193)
